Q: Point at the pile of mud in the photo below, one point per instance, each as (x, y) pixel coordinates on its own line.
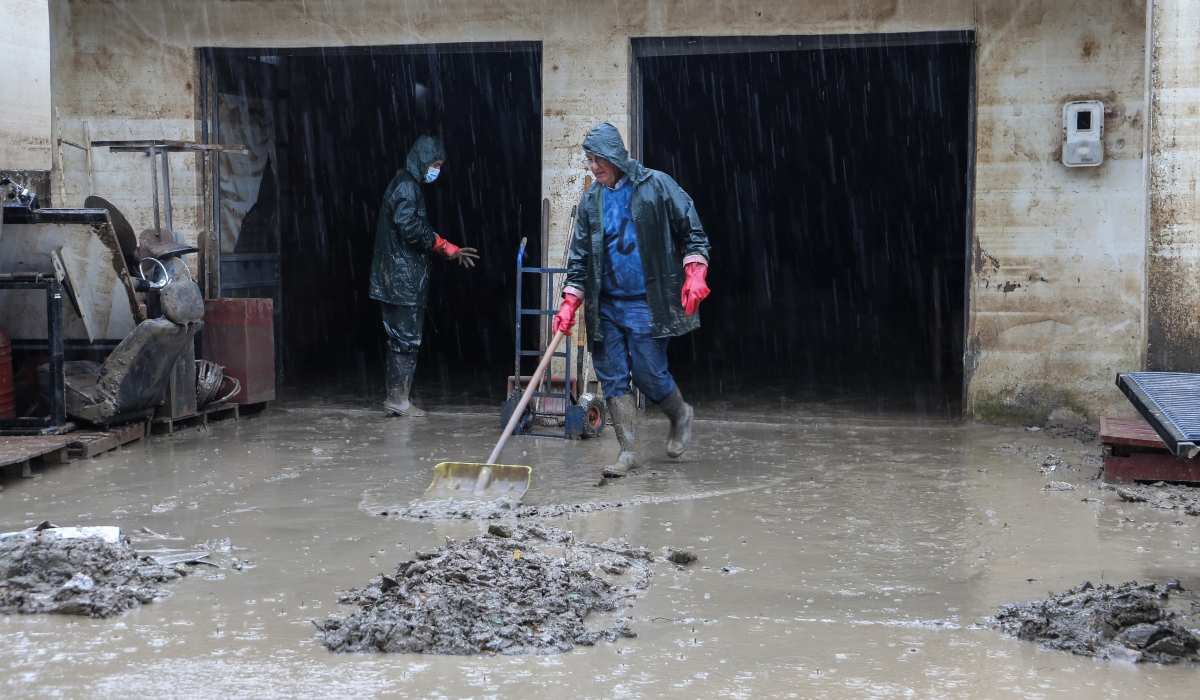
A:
(1126, 623)
(1165, 496)
(503, 508)
(456, 509)
(43, 573)
(517, 589)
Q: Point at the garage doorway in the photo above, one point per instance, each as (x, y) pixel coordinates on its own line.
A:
(834, 176)
(327, 130)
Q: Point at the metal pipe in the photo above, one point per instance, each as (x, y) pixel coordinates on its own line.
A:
(520, 283)
(154, 181)
(54, 314)
(24, 277)
(166, 176)
(62, 178)
(87, 139)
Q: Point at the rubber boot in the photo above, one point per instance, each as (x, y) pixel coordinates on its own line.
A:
(680, 413)
(399, 377)
(623, 411)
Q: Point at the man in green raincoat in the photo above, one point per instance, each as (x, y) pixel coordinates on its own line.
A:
(639, 259)
(400, 267)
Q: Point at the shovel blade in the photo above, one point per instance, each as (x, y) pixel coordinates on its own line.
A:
(478, 482)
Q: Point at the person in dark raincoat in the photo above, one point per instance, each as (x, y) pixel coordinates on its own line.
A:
(400, 267)
(638, 263)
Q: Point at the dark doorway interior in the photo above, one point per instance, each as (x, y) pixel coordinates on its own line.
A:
(343, 124)
(834, 186)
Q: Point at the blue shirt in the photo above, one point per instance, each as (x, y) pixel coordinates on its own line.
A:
(623, 276)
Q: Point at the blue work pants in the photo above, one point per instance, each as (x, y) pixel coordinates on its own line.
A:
(628, 352)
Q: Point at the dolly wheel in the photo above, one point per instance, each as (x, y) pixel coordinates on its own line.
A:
(593, 415)
(527, 421)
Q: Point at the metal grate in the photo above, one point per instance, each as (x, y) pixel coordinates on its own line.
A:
(1170, 403)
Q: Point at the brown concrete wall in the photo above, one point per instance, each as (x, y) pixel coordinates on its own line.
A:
(1173, 270)
(1056, 296)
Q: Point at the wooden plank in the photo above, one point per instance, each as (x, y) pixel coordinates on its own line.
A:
(1150, 466)
(16, 449)
(86, 444)
(166, 426)
(18, 469)
(59, 456)
(1133, 432)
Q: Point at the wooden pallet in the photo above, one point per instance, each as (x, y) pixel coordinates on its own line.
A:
(1134, 452)
(18, 453)
(209, 414)
(85, 444)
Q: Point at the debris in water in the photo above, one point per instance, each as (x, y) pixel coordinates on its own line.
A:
(185, 558)
(1126, 623)
(1058, 486)
(44, 573)
(480, 596)
(1075, 430)
(1165, 496)
(681, 556)
(1052, 463)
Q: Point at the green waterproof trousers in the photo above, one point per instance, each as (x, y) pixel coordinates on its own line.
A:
(403, 326)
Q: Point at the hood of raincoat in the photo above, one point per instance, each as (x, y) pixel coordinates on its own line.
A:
(426, 150)
(605, 141)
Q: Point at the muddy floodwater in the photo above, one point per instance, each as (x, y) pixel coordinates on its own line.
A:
(840, 555)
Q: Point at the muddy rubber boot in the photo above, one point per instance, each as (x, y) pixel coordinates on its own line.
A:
(680, 413)
(399, 377)
(623, 411)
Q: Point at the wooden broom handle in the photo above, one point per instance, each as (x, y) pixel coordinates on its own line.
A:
(520, 409)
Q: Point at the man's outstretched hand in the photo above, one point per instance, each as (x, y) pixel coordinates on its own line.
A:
(564, 320)
(463, 256)
(695, 288)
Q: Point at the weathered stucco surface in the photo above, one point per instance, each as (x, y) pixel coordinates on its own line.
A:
(1173, 270)
(25, 85)
(1056, 298)
(1058, 258)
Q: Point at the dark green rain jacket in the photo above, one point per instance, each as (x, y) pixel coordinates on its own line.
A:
(403, 236)
(668, 230)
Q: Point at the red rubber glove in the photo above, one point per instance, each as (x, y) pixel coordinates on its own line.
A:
(564, 320)
(695, 289)
(464, 256)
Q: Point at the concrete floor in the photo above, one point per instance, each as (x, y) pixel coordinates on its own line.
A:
(865, 554)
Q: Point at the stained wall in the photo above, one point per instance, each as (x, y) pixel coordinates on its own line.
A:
(1173, 270)
(25, 85)
(1056, 296)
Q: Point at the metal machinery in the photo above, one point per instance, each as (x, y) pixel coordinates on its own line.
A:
(558, 401)
(20, 206)
(1163, 447)
(182, 396)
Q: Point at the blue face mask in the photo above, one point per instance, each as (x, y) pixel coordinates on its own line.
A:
(431, 174)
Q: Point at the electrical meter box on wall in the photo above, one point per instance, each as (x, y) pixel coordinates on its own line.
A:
(1083, 134)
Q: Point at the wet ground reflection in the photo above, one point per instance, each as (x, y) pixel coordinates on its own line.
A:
(839, 556)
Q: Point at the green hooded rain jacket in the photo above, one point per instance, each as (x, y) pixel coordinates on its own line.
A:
(668, 230)
(403, 236)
